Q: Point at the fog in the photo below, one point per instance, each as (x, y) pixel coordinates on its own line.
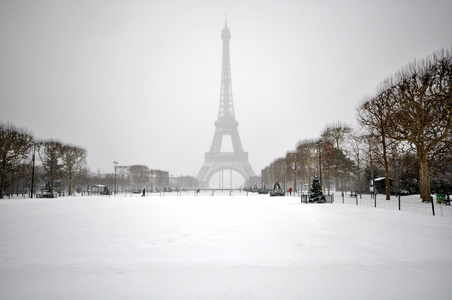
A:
(138, 82)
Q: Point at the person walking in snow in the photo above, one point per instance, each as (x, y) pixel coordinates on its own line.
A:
(144, 193)
(290, 191)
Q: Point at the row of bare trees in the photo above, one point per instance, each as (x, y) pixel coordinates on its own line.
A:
(328, 155)
(405, 125)
(62, 165)
(18, 150)
(413, 109)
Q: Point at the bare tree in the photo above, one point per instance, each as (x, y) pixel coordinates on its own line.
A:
(375, 115)
(357, 144)
(337, 133)
(140, 175)
(395, 153)
(292, 168)
(278, 168)
(15, 144)
(266, 176)
(49, 153)
(371, 146)
(440, 159)
(329, 163)
(21, 178)
(423, 111)
(73, 159)
(122, 178)
(82, 178)
(306, 160)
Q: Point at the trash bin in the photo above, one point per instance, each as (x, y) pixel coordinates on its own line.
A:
(440, 198)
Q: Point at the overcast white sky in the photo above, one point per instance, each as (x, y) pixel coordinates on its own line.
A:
(138, 82)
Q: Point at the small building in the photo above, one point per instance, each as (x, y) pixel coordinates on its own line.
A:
(380, 185)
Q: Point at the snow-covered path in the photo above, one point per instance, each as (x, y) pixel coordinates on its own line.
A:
(253, 247)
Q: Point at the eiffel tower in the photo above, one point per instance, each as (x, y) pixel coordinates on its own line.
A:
(215, 160)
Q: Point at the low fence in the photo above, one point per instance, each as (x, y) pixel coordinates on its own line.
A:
(412, 203)
(328, 198)
(191, 193)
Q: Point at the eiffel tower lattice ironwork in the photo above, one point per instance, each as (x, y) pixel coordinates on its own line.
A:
(215, 160)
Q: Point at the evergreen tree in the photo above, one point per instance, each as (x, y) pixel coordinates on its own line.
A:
(316, 191)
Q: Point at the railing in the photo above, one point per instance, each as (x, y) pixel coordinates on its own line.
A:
(412, 203)
(305, 198)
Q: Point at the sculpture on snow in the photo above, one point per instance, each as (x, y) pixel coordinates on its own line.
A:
(277, 191)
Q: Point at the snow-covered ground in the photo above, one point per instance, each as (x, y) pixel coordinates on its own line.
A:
(255, 247)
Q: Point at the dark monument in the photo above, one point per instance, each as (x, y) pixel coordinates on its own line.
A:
(46, 193)
(262, 190)
(105, 191)
(277, 191)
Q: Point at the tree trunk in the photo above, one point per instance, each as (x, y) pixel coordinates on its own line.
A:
(327, 180)
(70, 188)
(2, 184)
(386, 165)
(388, 184)
(342, 183)
(70, 185)
(359, 180)
(11, 187)
(3, 176)
(51, 178)
(424, 178)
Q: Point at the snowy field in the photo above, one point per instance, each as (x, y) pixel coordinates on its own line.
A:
(255, 247)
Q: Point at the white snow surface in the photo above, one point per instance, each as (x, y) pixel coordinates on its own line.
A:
(240, 247)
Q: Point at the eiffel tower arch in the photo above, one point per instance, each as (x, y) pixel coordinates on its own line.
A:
(226, 125)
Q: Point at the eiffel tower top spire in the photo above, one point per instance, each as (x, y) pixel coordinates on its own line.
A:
(225, 20)
(226, 110)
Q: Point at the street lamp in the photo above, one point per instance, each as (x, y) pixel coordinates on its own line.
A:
(284, 177)
(320, 163)
(114, 192)
(34, 144)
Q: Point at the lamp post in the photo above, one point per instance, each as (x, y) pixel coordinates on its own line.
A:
(320, 164)
(34, 144)
(284, 177)
(114, 192)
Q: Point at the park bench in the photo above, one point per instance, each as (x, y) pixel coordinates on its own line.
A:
(353, 194)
